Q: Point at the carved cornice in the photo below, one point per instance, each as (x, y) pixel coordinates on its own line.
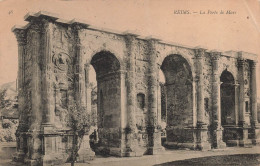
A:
(77, 26)
(130, 34)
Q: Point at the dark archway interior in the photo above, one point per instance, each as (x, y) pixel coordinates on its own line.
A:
(105, 62)
(227, 98)
(178, 89)
(106, 66)
(101, 109)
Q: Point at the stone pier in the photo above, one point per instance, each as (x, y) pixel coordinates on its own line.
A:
(202, 126)
(216, 105)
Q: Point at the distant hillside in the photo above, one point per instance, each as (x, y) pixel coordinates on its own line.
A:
(8, 100)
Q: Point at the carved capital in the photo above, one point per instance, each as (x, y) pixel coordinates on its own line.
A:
(152, 42)
(20, 36)
(200, 52)
(75, 28)
(215, 56)
(129, 39)
(241, 62)
(38, 26)
(253, 64)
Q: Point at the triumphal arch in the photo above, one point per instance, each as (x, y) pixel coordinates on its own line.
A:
(210, 96)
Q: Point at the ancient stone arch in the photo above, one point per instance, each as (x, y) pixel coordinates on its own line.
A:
(228, 115)
(108, 50)
(54, 56)
(186, 54)
(179, 99)
(108, 75)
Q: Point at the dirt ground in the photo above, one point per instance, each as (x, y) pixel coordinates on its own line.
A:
(228, 156)
(238, 159)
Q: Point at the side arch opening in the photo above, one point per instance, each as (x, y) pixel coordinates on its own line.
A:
(179, 99)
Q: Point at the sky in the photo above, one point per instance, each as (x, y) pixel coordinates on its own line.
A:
(237, 31)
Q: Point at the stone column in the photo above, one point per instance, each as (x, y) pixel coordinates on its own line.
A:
(159, 105)
(242, 111)
(34, 145)
(194, 100)
(200, 53)
(85, 152)
(236, 86)
(243, 130)
(47, 78)
(36, 114)
(80, 81)
(216, 104)
(131, 92)
(21, 39)
(88, 89)
(253, 93)
(123, 93)
(132, 148)
(254, 123)
(202, 127)
(81, 87)
(153, 130)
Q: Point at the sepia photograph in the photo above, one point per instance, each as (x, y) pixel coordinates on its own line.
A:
(129, 82)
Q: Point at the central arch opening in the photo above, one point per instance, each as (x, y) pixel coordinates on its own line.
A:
(178, 98)
(105, 97)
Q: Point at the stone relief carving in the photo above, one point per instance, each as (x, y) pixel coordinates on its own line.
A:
(141, 117)
(140, 85)
(61, 61)
(247, 79)
(62, 64)
(61, 98)
(61, 36)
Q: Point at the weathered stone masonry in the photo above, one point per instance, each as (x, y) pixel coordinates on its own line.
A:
(54, 60)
